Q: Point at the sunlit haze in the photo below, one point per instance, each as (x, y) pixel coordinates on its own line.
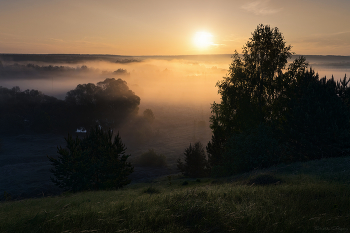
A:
(203, 39)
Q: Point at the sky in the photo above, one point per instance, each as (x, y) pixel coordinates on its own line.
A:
(163, 27)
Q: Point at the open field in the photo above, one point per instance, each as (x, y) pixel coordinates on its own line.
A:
(300, 197)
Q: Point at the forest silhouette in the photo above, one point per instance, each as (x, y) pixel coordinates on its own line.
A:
(107, 104)
(270, 113)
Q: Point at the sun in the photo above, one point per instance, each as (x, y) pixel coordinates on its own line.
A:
(203, 39)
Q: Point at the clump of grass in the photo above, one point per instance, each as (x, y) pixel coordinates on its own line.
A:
(218, 181)
(185, 182)
(7, 196)
(263, 179)
(151, 190)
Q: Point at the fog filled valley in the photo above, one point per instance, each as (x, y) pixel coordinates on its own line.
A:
(177, 89)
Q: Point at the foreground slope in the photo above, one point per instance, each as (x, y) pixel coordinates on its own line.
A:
(300, 197)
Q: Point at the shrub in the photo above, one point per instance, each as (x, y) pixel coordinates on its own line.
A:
(195, 164)
(185, 182)
(151, 190)
(148, 115)
(263, 179)
(151, 159)
(93, 163)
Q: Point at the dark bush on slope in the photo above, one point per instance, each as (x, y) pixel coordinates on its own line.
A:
(98, 161)
(195, 162)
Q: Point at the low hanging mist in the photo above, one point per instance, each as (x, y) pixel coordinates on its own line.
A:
(178, 90)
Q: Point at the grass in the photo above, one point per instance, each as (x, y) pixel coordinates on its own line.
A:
(301, 197)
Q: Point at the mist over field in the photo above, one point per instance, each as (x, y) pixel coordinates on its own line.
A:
(154, 79)
(178, 89)
(168, 79)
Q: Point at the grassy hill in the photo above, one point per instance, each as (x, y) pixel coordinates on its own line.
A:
(300, 197)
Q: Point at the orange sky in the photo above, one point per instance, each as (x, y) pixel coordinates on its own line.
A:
(162, 27)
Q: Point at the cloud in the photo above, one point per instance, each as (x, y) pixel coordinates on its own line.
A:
(260, 7)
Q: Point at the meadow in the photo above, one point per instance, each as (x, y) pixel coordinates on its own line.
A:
(299, 197)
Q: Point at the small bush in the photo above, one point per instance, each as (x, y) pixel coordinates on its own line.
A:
(151, 190)
(185, 183)
(196, 164)
(7, 196)
(263, 179)
(218, 182)
(151, 159)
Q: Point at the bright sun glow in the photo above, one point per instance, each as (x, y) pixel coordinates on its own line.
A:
(203, 39)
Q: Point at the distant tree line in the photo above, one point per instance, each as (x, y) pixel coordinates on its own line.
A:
(107, 104)
(30, 68)
(121, 72)
(58, 58)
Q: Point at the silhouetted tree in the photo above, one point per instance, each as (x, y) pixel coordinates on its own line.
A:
(307, 117)
(249, 93)
(148, 115)
(343, 90)
(92, 163)
(195, 162)
(317, 124)
(28, 110)
(108, 103)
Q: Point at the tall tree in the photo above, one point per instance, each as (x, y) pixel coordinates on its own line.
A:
(249, 93)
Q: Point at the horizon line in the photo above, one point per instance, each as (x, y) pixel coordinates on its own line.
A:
(98, 54)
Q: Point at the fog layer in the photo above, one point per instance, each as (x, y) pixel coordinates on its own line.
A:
(178, 89)
(161, 79)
